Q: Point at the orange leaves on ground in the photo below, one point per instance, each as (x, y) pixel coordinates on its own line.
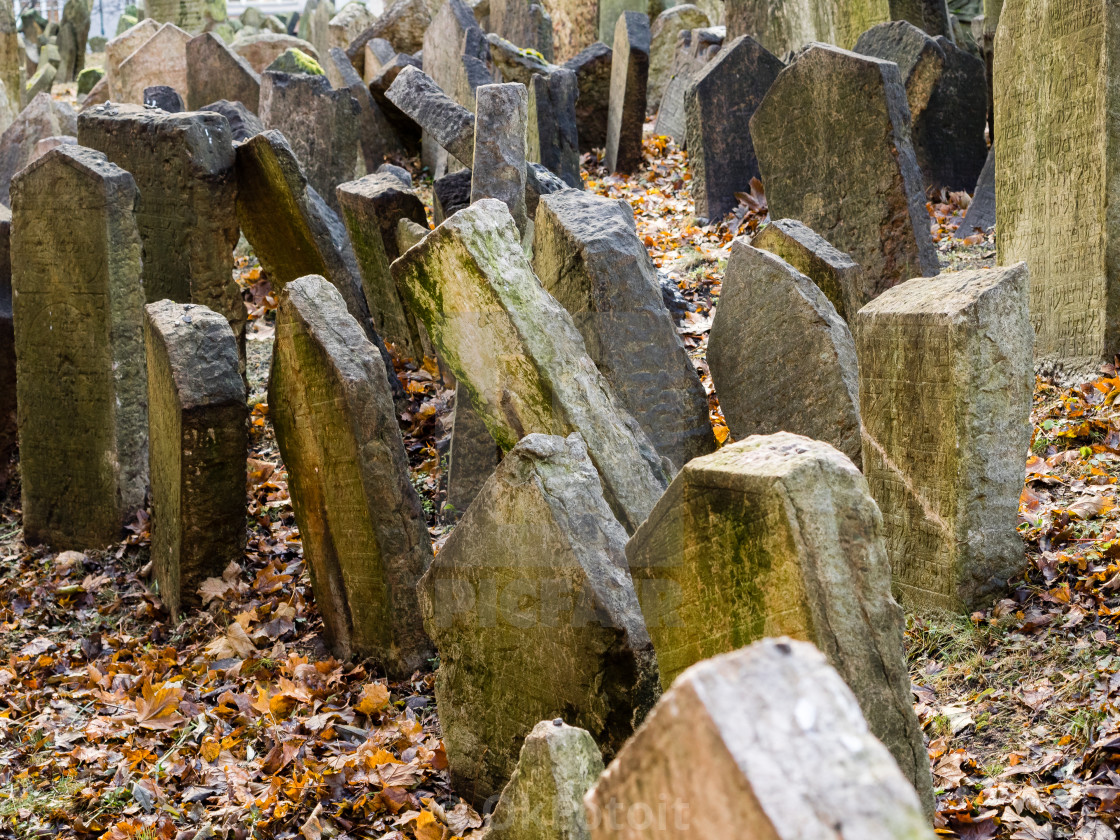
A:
(157, 708)
(375, 697)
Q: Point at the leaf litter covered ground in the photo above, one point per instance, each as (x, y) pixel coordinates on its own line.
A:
(238, 723)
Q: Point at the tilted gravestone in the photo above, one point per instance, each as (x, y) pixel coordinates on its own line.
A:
(472, 457)
(786, 752)
(452, 35)
(215, 72)
(389, 199)
(593, 77)
(719, 104)
(523, 23)
(694, 50)
(448, 123)
(981, 214)
(663, 37)
(518, 352)
(534, 616)
(931, 16)
(773, 333)
(377, 139)
(124, 45)
(834, 272)
(362, 525)
(793, 24)
(498, 165)
(945, 386)
(198, 436)
(1060, 144)
(553, 138)
(322, 127)
(80, 374)
(183, 166)
(629, 78)
(777, 535)
(835, 123)
(587, 254)
(511, 63)
(401, 25)
(9, 438)
(351, 21)
(41, 82)
(948, 107)
(161, 60)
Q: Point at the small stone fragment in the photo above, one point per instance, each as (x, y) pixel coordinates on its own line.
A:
(165, 98)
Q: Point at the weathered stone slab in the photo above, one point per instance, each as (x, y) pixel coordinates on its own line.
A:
(402, 25)
(513, 63)
(778, 536)
(363, 528)
(773, 332)
(664, 34)
(931, 16)
(48, 143)
(945, 91)
(518, 352)
(214, 72)
(163, 97)
(73, 31)
(448, 123)
(184, 170)
(629, 78)
(593, 77)
(80, 374)
(785, 751)
(719, 104)
(88, 79)
(473, 457)
(945, 385)
(981, 214)
(352, 20)
(9, 437)
(198, 438)
(587, 254)
(406, 128)
(322, 126)
(694, 50)
(262, 49)
(834, 272)
(389, 199)
(296, 62)
(376, 137)
(524, 24)
(539, 182)
(534, 616)
(793, 24)
(243, 124)
(36, 122)
(314, 24)
(190, 15)
(553, 134)
(161, 60)
(544, 797)
(40, 82)
(378, 52)
(498, 163)
(124, 45)
(409, 233)
(836, 124)
(10, 52)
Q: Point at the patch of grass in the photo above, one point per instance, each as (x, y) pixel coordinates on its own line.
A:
(945, 637)
(20, 797)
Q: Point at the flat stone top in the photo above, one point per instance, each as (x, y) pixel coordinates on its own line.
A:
(762, 456)
(88, 161)
(944, 295)
(589, 217)
(899, 41)
(201, 352)
(817, 51)
(636, 26)
(808, 239)
(153, 117)
(376, 184)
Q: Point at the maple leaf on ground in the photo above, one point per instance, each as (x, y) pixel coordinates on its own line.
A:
(375, 697)
(159, 708)
(233, 644)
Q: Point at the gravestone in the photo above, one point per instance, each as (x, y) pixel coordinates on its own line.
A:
(931, 16)
(296, 62)
(88, 79)
(48, 143)
(1060, 144)
(473, 457)
(385, 198)
(164, 98)
(774, 332)
(409, 233)
(351, 21)
(402, 25)
(189, 15)
(777, 535)
(518, 353)
(184, 170)
(553, 138)
(945, 91)
(242, 123)
(376, 137)
(9, 438)
(790, 26)
(452, 35)
(534, 616)
(262, 49)
(80, 375)
(946, 381)
(98, 95)
(214, 72)
(124, 45)
(41, 82)
(772, 734)
(629, 77)
(362, 525)
(73, 31)
(835, 123)
(525, 24)
(10, 52)
(663, 37)
(197, 441)
(544, 798)
(981, 214)
(593, 78)
(512, 63)
(719, 104)
(694, 50)
(587, 254)
(39, 120)
(834, 272)
(317, 16)
(539, 181)
(445, 121)
(450, 194)
(378, 53)
(322, 126)
(161, 60)
(498, 164)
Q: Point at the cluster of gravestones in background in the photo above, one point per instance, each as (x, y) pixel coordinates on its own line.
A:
(542, 304)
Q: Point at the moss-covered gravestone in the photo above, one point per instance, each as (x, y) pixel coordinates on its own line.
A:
(1054, 117)
(518, 353)
(78, 303)
(788, 26)
(587, 254)
(215, 72)
(362, 525)
(187, 212)
(780, 356)
(498, 164)
(8, 435)
(629, 79)
(534, 616)
(945, 388)
(837, 124)
(785, 755)
(198, 436)
(778, 536)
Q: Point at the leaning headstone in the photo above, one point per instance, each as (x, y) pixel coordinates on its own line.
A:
(981, 214)
(518, 353)
(788, 27)
(777, 535)
(37, 121)
(553, 135)
(544, 797)
(448, 123)
(409, 233)
(385, 198)
(539, 182)
(663, 37)
(772, 734)
(197, 440)
(694, 50)
(945, 91)
(351, 21)
(163, 97)
(629, 77)
(587, 254)
(450, 194)
(836, 124)
(377, 140)
(513, 63)
(498, 163)
(946, 380)
(719, 104)
(80, 374)
(523, 23)
(362, 525)
(73, 31)
(593, 77)
(402, 25)
(536, 564)
(473, 456)
(931, 16)
(242, 122)
(408, 132)
(296, 62)
(322, 126)
(774, 332)
(161, 60)
(8, 434)
(378, 53)
(452, 35)
(124, 45)
(184, 170)
(41, 82)
(262, 49)
(215, 72)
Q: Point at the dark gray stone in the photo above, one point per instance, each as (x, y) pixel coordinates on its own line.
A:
(540, 182)
(449, 124)
(408, 132)
(473, 457)
(242, 122)
(498, 169)
(553, 136)
(376, 137)
(215, 72)
(165, 98)
(981, 215)
(450, 194)
(931, 16)
(398, 172)
(593, 77)
(694, 50)
(629, 79)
